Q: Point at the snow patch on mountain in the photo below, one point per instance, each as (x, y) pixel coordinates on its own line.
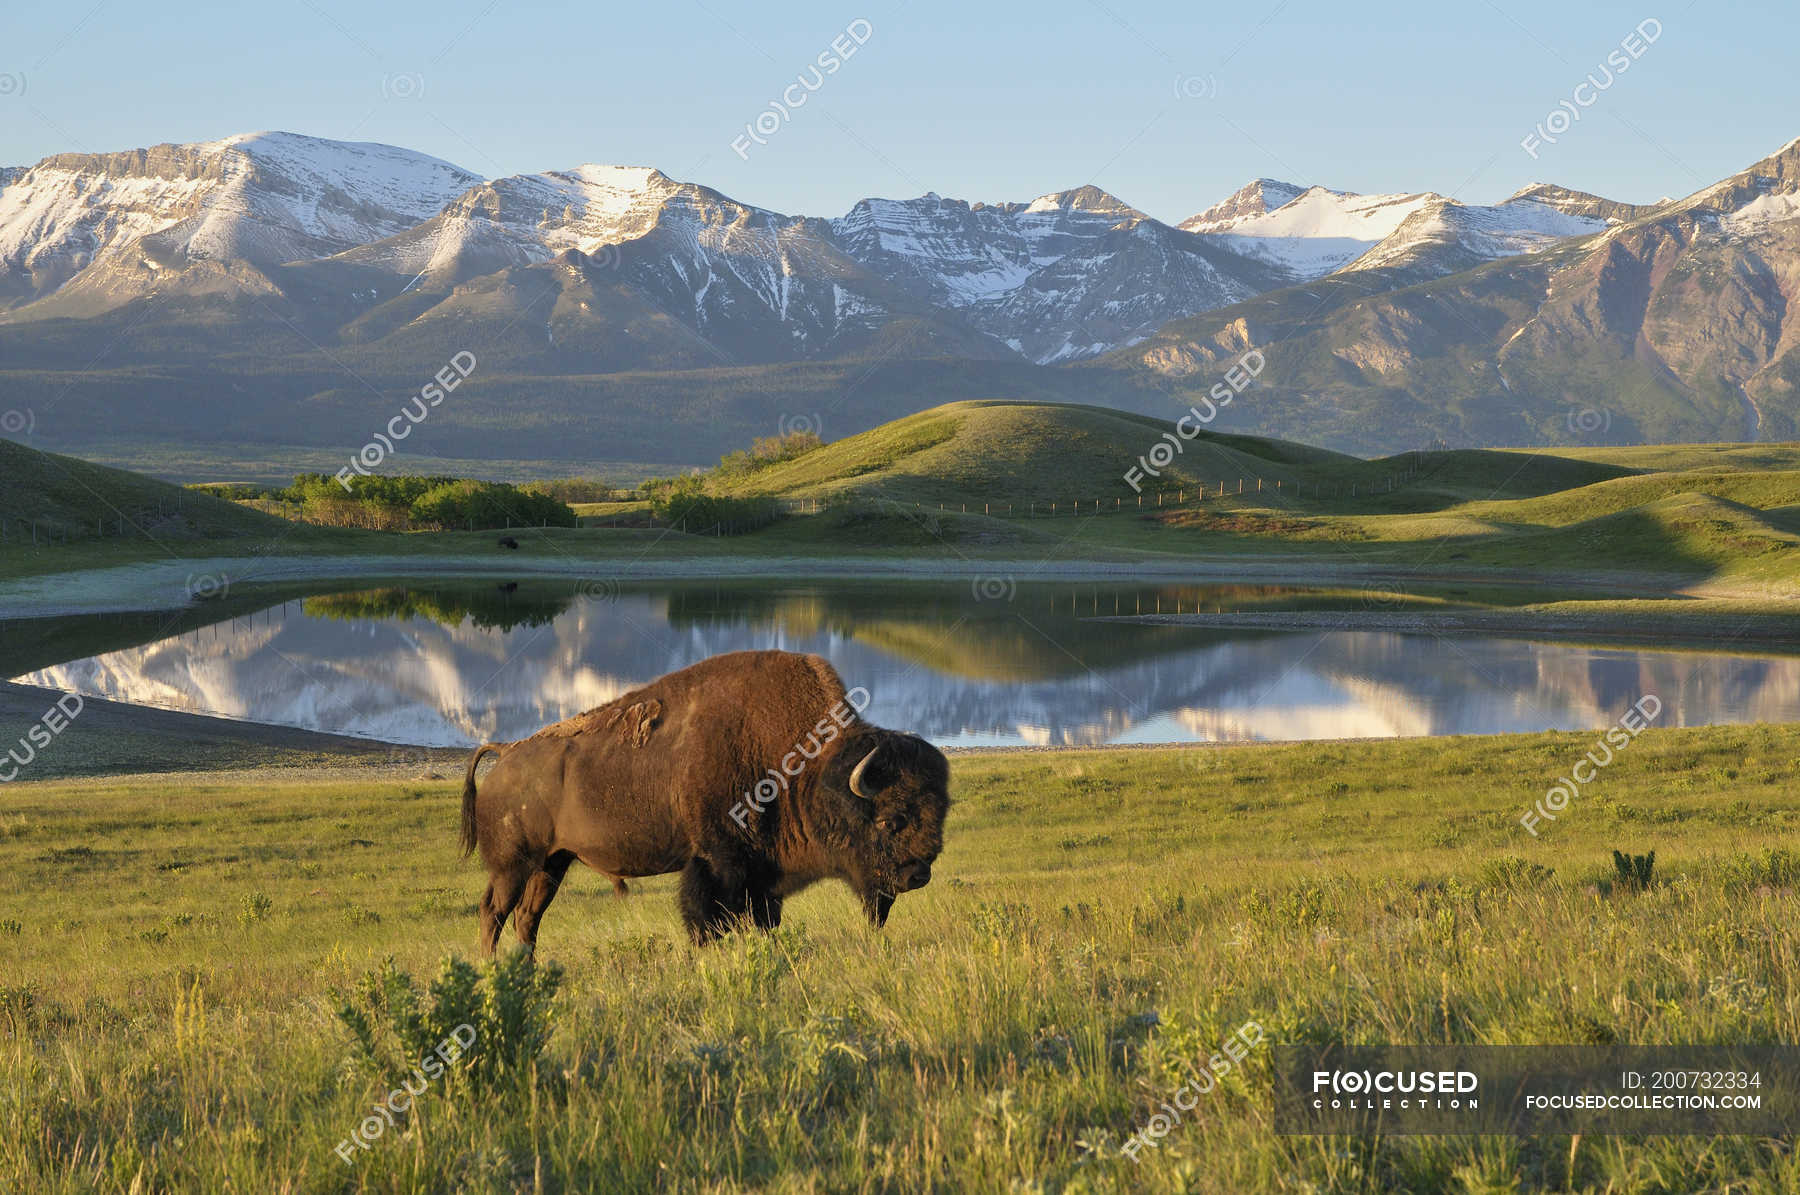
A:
(1762, 211)
(267, 198)
(1474, 234)
(1256, 198)
(1321, 230)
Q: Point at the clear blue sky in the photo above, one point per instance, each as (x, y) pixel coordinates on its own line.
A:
(1168, 105)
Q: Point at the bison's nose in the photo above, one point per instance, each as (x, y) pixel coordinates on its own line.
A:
(917, 876)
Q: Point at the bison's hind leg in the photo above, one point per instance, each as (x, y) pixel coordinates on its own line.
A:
(504, 889)
(540, 890)
(620, 888)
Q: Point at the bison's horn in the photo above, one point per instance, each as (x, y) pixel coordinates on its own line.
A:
(856, 776)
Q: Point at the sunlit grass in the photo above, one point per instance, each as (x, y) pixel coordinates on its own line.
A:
(171, 948)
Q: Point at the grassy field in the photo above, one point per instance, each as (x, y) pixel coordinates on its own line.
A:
(174, 949)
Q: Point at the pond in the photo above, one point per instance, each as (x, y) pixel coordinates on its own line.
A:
(989, 664)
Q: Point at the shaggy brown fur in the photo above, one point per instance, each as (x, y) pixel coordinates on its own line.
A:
(666, 779)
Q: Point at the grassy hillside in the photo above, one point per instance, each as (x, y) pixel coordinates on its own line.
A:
(70, 498)
(1011, 452)
(1099, 922)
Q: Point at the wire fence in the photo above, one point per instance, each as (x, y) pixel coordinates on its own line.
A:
(42, 531)
(1173, 497)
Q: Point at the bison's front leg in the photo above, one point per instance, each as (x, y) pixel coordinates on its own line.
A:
(765, 909)
(712, 898)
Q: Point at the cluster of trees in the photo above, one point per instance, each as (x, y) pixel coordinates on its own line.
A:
(689, 504)
(685, 504)
(406, 502)
(767, 451)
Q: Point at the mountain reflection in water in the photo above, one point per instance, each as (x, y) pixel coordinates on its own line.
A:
(449, 667)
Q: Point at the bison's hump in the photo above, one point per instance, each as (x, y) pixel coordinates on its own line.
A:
(634, 723)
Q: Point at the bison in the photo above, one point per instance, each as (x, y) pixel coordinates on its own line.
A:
(752, 774)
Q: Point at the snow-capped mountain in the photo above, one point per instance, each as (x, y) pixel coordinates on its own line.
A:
(629, 247)
(1316, 232)
(1066, 276)
(1581, 203)
(371, 243)
(1310, 232)
(1256, 198)
(1667, 322)
(200, 272)
(529, 218)
(1118, 288)
(1443, 236)
(262, 198)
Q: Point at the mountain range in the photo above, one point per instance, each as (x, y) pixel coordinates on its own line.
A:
(287, 292)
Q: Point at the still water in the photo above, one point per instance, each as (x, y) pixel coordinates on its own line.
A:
(962, 665)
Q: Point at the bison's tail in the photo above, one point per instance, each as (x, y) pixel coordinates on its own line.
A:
(468, 805)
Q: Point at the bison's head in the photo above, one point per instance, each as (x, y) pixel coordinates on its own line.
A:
(896, 789)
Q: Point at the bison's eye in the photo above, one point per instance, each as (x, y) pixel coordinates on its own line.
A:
(893, 823)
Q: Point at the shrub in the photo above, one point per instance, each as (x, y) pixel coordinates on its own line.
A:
(507, 1002)
(254, 907)
(1634, 871)
(1511, 871)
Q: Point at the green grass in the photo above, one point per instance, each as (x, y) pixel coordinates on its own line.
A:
(960, 483)
(174, 947)
(74, 499)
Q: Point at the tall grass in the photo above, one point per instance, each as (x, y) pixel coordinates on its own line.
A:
(1101, 921)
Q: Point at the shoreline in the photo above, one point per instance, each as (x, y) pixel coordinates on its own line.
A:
(1645, 628)
(166, 585)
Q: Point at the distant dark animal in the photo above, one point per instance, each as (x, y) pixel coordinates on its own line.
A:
(509, 587)
(752, 774)
(507, 541)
